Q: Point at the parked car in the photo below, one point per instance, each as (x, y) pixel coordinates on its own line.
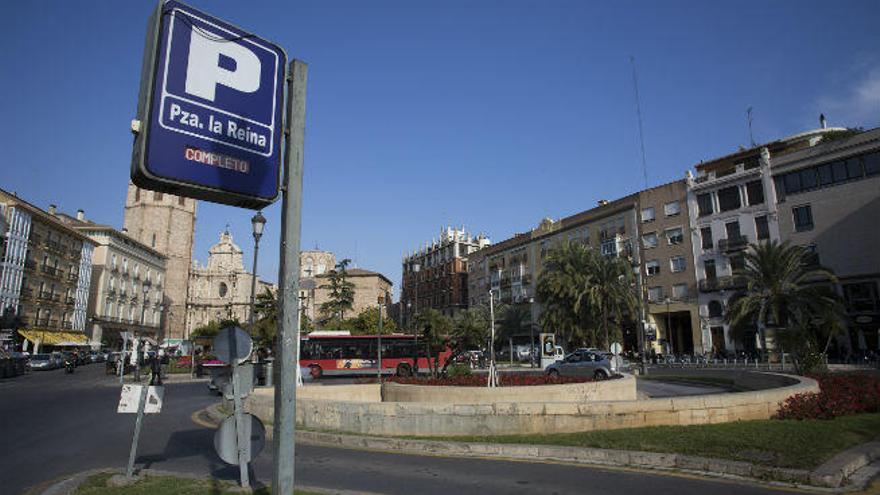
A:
(58, 359)
(584, 363)
(42, 362)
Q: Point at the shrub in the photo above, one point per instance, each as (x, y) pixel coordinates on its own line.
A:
(839, 395)
(458, 370)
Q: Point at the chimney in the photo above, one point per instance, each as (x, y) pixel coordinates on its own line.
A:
(822, 123)
(52, 209)
(81, 215)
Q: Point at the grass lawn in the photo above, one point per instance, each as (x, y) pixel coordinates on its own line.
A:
(163, 485)
(782, 443)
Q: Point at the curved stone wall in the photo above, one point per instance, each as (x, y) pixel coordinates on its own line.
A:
(623, 388)
(503, 418)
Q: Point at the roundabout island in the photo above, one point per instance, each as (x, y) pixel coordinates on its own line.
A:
(393, 409)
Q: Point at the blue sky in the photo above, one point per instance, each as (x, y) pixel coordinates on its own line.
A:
(490, 114)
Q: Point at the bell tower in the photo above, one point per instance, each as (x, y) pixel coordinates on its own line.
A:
(165, 223)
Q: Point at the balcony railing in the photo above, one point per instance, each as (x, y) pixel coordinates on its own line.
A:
(70, 300)
(721, 283)
(733, 243)
(72, 277)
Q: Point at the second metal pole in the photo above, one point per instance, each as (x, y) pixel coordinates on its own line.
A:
(284, 427)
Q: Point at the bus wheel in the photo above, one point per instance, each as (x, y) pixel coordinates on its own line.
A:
(404, 370)
(315, 371)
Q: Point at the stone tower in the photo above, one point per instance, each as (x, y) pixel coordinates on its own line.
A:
(166, 223)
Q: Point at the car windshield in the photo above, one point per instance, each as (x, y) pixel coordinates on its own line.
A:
(40, 357)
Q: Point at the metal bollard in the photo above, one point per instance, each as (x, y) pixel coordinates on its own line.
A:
(269, 374)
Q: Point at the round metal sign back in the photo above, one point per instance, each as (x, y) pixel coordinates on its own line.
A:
(225, 440)
(616, 348)
(232, 345)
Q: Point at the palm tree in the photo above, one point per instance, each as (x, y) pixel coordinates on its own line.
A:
(784, 288)
(579, 286)
(607, 291)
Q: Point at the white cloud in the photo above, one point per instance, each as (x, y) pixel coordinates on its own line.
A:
(856, 105)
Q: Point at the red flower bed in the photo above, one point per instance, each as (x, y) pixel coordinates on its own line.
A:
(505, 380)
(183, 362)
(839, 395)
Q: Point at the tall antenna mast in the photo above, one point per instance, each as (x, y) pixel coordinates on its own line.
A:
(749, 120)
(632, 61)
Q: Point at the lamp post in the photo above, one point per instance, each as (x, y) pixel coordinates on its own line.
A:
(258, 221)
(669, 327)
(146, 290)
(531, 334)
(493, 375)
(416, 269)
(381, 299)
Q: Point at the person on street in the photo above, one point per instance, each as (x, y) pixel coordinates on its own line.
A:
(156, 370)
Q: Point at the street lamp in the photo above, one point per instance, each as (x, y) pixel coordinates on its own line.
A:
(416, 268)
(669, 327)
(531, 334)
(380, 301)
(137, 369)
(257, 222)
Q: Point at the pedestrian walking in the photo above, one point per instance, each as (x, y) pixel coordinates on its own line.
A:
(156, 370)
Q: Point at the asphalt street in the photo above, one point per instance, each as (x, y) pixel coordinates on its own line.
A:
(55, 425)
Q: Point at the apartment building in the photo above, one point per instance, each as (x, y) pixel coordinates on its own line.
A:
(46, 275)
(435, 276)
(667, 269)
(658, 217)
(733, 201)
(828, 199)
(127, 288)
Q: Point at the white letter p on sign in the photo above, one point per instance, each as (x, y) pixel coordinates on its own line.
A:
(203, 71)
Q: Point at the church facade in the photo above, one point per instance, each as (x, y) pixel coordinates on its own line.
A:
(221, 289)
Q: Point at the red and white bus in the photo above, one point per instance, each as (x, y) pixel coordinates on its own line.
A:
(338, 353)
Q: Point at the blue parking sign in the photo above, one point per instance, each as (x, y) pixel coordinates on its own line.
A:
(210, 110)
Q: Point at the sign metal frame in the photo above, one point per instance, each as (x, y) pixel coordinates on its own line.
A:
(144, 128)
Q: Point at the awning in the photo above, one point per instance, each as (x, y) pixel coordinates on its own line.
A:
(54, 337)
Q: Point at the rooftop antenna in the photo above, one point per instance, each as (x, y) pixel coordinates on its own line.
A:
(749, 120)
(632, 61)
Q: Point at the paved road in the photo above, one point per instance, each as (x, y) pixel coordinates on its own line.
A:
(55, 424)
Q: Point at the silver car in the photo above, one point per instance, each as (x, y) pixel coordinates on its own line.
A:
(42, 362)
(584, 362)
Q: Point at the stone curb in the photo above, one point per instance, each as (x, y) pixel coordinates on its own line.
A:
(69, 484)
(853, 465)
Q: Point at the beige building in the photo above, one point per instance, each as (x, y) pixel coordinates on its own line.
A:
(828, 199)
(127, 286)
(166, 223)
(221, 289)
(45, 275)
(369, 286)
(657, 217)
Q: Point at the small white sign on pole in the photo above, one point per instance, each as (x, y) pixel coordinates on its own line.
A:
(131, 394)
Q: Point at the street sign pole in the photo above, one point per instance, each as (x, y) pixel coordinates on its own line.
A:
(142, 402)
(285, 382)
(242, 441)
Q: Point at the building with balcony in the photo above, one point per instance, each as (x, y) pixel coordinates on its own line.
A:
(733, 202)
(658, 217)
(828, 201)
(436, 275)
(127, 290)
(46, 275)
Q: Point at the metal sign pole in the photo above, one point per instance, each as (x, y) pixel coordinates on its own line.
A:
(242, 442)
(284, 427)
(121, 361)
(142, 402)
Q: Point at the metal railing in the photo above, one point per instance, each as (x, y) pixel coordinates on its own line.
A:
(733, 243)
